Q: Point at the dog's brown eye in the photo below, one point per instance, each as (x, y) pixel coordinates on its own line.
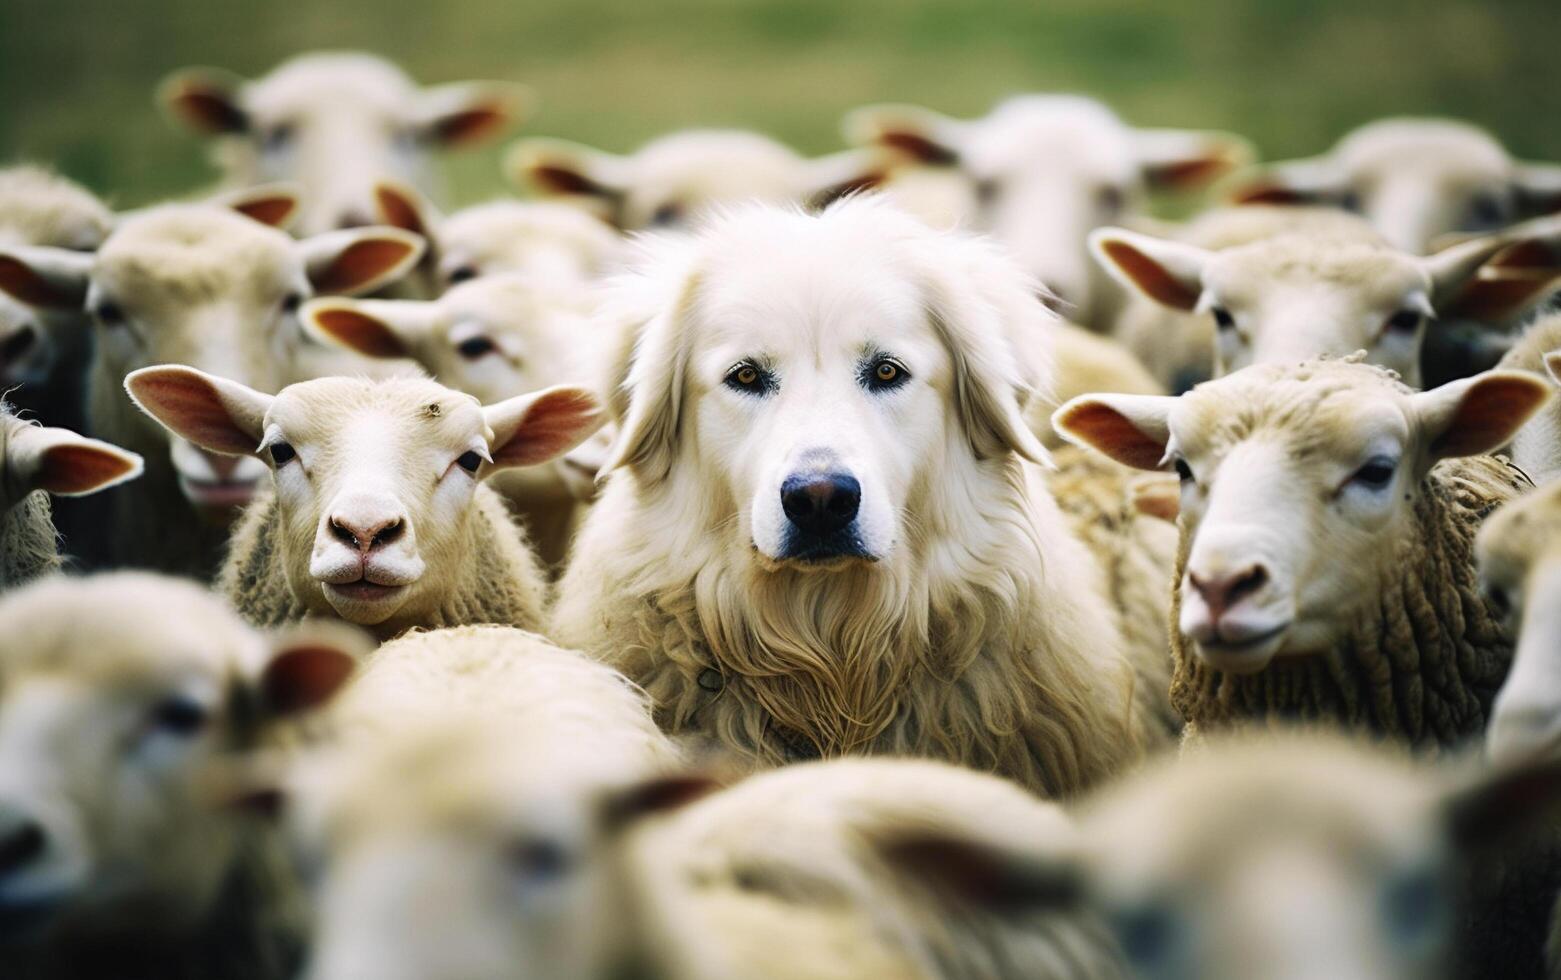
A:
(746, 376)
(886, 372)
(750, 379)
(883, 374)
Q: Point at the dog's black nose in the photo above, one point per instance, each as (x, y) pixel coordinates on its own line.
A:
(821, 503)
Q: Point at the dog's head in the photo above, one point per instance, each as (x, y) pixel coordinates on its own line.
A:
(834, 384)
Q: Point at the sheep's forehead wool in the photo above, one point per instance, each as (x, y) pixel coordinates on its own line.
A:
(1053, 133)
(1445, 146)
(1541, 337)
(197, 252)
(1308, 405)
(502, 226)
(123, 640)
(311, 79)
(425, 411)
(1376, 272)
(1223, 228)
(41, 208)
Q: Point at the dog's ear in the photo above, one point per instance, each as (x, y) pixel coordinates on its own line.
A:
(998, 336)
(651, 403)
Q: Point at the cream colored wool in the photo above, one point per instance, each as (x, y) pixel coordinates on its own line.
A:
(500, 581)
(1422, 665)
(1086, 362)
(1537, 446)
(29, 546)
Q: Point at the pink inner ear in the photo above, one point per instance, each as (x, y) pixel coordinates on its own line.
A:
(75, 469)
(1183, 174)
(551, 427)
(191, 407)
(555, 179)
(1150, 276)
(461, 128)
(1490, 414)
(1267, 193)
(18, 279)
(398, 212)
(273, 211)
(363, 334)
(362, 262)
(305, 677)
(1110, 432)
(209, 110)
(919, 147)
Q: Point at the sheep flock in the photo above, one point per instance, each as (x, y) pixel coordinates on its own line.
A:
(915, 561)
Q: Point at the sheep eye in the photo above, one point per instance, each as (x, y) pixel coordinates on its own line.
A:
(749, 379)
(667, 215)
(180, 716)
(1376, 473)
(291, 302)
(475, 347)
(1404, 321)
(469, 461)
(1485, 211)
(282, 453)
(1412, 907)
(461, 274)
(1350, 201)
(1183, 471)
(1498, 598)
(1222, 318)
(109, 314)
(539, 861)
(1147, 936)
(987, 192)
(1111, 199)
(277, 137)
(884, 374)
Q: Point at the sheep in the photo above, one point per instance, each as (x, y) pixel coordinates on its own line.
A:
(1536, 447)
(1086, 362)
(376, 513)
(1301, 293)
(1414, 179)
(493, 337)
(1290, 856)
(1325, 573)
(43, 351)
(335, 122)
(673, 182)
(122, 856)
(1048, 169)
(548, 240)
(203, 285)
(864, 361)
(35, 462)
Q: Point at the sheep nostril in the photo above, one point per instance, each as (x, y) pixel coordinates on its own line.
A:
(389, 533)
(343, 534)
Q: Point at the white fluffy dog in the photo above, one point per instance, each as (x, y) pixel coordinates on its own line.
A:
(822, 534)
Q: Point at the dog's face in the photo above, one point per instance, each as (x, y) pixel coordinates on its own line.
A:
(821, 375)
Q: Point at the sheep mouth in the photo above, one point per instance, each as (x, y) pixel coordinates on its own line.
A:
(218, 493)
(1247, 655)
(364, 591)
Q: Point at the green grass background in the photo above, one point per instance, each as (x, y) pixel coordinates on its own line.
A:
(76, 76)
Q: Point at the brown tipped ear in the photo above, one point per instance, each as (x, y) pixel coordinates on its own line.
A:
(1131, 429)
(1479, 414)
(654, 796)
(464, 114)
(48, 278)
(353, 324)
(542, 426)
(911, 131)
(214, 413)
(404, 206)
(309, 666)
(1453, 270)
(1314, 180)
(559, 168)
(359, 260)
(275, 205)
(1187, 159)
(207, 100)
(66, 464)
(1170, 273)
(986, 877)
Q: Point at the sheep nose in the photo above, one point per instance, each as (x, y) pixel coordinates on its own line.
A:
(821, 503)
(366, 535)
(1222, 591)
(22, 842)
(353, 218)
(222, 466)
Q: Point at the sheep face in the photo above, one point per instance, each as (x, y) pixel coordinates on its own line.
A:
(203, 285)
(58, 461)
(1416, 179)
(552, 242)
(1292, 297)
(335, 123)
(374, 481)
(110, 725)
(1520, 567)
(674, 182)
(1297, 484)
(1046, 171)
(809, 375)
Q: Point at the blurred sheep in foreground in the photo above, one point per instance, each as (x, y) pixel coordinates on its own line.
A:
(335, 123)
(1537, 446)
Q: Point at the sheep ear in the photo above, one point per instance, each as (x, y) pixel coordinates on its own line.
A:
(541, 426)
(373, 328)
(1186, 159)
(1451, 269)
(464, 114)
(48, 278)
(829, 178)
(1553, 365)
(1516, 277)
(1479, 414)
(1156, 495)
(979, 875)
(66, 464)
(309, 665)
(214, 413)
(1538, 186)
(559, 168)
(207, 100)
(1314, 180)
(662, 794)
(359, 260)
(275, 205)
(404, 206)
(911, 131)
(1503, 803)
(1170, 273)
(1131, 429)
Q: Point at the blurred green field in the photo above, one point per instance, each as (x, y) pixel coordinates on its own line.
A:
(76, 76)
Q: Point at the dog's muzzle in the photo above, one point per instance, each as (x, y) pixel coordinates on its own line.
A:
(821, 510)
